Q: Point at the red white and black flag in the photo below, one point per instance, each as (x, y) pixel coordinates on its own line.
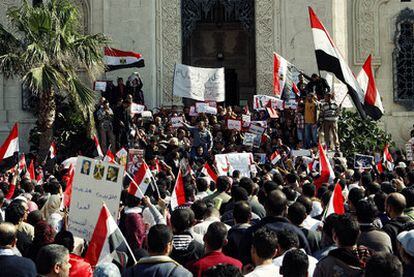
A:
(143, 182)
(327, 174)
(178, 194)
(330, 59)
(98, 146)
(118, 59)
(372, 99)
(10, 149)
(106, 239)
(209, 173)
(52, 150)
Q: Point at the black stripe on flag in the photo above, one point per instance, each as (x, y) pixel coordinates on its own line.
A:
(138, 64)
(331, 64)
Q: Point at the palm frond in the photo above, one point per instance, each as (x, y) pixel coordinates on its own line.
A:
(12, 64)
(44, 78)
(82, 93)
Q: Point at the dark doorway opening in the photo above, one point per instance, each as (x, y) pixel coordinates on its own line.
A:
(221, 33)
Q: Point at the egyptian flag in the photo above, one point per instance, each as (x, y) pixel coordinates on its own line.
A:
(325, 169)
(275, 157)
(272, 112)
(387, 160)
(117, 59)
(209, 172)
(106, 240)
(10, 149)
(246, 109)
(98, 146)
(68, 178)
(109, 157)
(280, 71)
(372, 99)
(295, 89)
(31, 171)
(52, 151)
(178, 194)
(330, 59)
(142, 182)
(22, 164)
(336, 203)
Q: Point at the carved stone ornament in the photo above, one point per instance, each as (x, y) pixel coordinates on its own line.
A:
(365, 30)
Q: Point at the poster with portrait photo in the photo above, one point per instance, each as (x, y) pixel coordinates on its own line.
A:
(135, 159)
(103, 184)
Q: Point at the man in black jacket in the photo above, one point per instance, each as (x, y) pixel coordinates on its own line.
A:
(10, 263)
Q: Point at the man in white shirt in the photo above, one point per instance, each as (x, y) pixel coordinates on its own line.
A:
(264, 247)
(287, 242)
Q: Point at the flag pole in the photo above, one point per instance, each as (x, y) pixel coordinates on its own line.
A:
(126, 242)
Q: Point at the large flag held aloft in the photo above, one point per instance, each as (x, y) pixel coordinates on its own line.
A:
(106, 240)
(326, 173)
(178, 194)
(336, 203)
(330, 59)
(372, 99)
(118, 59)
(10, 145)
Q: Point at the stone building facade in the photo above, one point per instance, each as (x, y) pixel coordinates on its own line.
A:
(155, 28)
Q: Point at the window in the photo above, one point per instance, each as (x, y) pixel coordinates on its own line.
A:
(403, 58)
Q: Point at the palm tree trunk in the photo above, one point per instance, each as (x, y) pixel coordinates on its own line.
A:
(46, 118)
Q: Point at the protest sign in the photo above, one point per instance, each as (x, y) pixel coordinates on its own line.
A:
(246, 118)
(137, 108)
(258, 130)
(260, 158)
(291, 104)
(206, 108)
(176, 121)
(227, 163)
(233, 124)
(99, 86)
(201, 84)
(409, 148)
(301, 153)
(363, 161)
(94, 182)
(249, 139)
(193, 111)
(122, 157)
(262, 123)
(146, 115)
(135, 159)
(260, 101)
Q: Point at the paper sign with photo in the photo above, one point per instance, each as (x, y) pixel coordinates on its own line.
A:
(135, 159)
(246, 118)
(234, 124)
(177, 121)
(137, 108)
(95, 182)
(193, 111)
(363, 161)
(249, 139)
(255, 129)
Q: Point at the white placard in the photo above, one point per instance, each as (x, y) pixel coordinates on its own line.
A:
(146, 114)
(249, 139)
(262, 123)
(233, 124)
(100, 86)
(246, 118)
(137, 108)
(258, 130)
(94, 182)
(227, 163)
(177, 121)
(301, 153)
(201, 84)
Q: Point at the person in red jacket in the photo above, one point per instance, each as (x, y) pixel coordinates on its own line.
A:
(214, 240)
(79, 267)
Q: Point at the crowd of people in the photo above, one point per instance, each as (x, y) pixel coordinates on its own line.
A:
(274, 222)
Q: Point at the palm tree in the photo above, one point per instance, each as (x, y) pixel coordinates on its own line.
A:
(43, 45)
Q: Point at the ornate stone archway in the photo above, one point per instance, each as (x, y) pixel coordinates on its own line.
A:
(169, 46)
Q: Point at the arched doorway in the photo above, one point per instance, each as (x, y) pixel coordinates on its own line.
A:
(221, 33)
